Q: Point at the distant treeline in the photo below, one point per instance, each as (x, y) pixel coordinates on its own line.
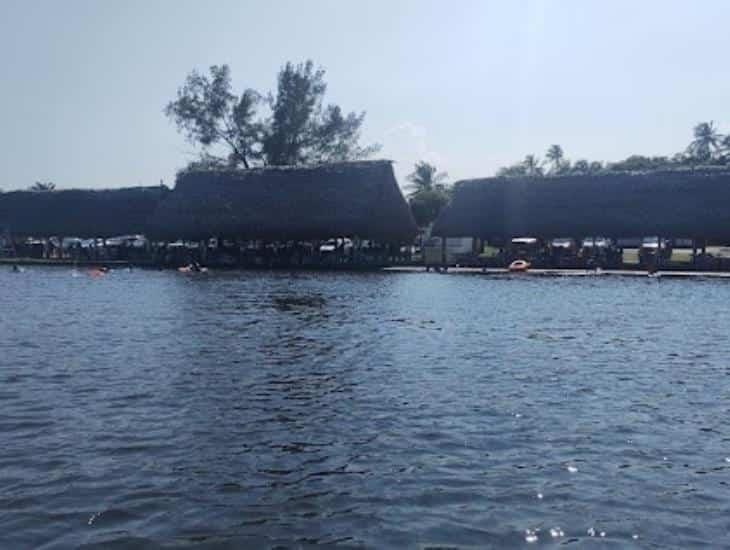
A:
(430, 192)
(708, 148)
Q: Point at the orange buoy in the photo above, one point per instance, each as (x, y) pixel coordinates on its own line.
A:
(519, 266)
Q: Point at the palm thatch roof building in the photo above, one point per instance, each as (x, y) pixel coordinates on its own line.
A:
(679, 203)
(354, 199)
(79, 213)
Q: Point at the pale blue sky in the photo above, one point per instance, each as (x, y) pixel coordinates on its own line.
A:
(470, 85)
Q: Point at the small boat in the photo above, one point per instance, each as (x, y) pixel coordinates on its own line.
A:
(519, 266)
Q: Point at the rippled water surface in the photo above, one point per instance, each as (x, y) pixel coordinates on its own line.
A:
(147, 409)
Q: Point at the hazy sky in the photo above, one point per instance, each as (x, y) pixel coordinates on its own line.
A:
(469, 85)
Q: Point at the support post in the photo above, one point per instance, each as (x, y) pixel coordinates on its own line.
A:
(443, 252)
(203, 247)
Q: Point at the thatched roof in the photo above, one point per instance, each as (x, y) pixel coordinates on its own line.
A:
(287, 203)
(79, 213)
(680, 203)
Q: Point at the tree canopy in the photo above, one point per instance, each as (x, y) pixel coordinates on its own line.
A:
(42, 186)
(709, 147)
(556, 157)
(706, 142)
(531, 166)
(429, 192)
(426, 177)
(299, 129)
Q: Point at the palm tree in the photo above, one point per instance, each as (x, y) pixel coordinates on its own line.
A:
(43, 186)
(426, 177)
(556, 156)
(706, 142)
(429, 193)
(725, 144)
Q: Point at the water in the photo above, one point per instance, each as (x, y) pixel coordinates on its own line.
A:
(383, 410)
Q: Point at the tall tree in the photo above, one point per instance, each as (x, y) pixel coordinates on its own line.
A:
(429, 192)
(556, 157)
(298, 100)
(208, 113)
(706, 142)
(300, 129)
(426, 177)
(427, 205)
(43, 186)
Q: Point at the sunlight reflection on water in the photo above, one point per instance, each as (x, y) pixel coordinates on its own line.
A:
(384, 410)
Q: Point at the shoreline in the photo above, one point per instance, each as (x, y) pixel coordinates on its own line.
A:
(491, 271)
(494, 271)
(67, 262)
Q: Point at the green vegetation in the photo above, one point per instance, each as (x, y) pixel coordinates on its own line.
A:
(532, 166)
(429, 192)
(556, 158)
(42, 186)
(708, 148)
(706, 144)
(299, 129)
